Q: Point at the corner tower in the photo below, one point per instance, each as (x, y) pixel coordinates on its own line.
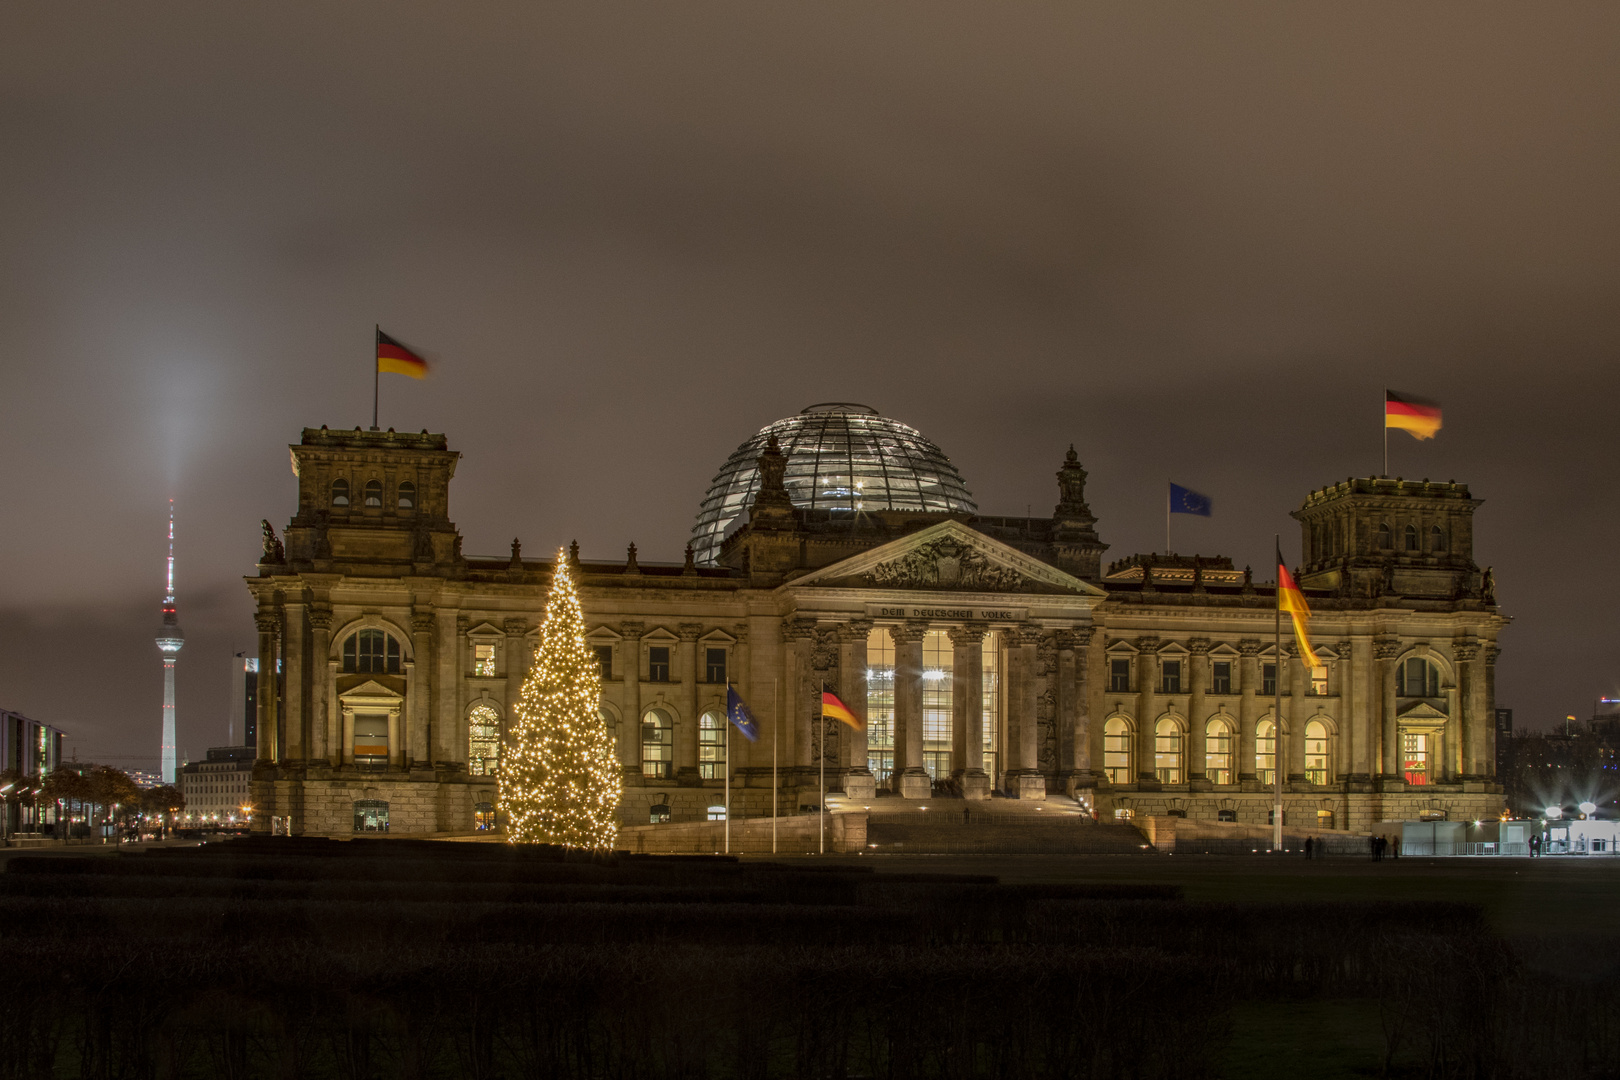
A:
(169, 642)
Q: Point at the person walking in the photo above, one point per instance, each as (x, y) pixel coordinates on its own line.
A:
(1309, 845)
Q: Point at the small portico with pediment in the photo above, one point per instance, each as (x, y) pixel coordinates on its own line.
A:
(963, 596)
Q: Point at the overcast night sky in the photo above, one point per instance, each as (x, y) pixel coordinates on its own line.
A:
(1197, 241)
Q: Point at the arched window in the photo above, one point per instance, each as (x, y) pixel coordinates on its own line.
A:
(1411, 538)
(1437, 540)
(712, 746)
(483, 740)
(1218, 752)
(1167, 752)
(371, 652)
(1385, 541)
(407, 495)
(657, 745)
(373, 492)
(1416, 677)
(1117, 750)
(484, 817)
(340, 492)
(1265, 752)
(1316, 752)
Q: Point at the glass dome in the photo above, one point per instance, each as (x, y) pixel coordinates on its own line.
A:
(839, 457)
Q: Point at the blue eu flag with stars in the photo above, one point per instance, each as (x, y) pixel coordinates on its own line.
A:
(1187, 501)
(737, 712)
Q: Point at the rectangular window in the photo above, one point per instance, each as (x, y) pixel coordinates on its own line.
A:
(1119, 676)
(1167, 756)
(658, 663)
(1319, 681)
(1268, 680)
(604, 661)
(1218, 754)
(1220, 681)
(371, 738)
(712, 747)
(1265, 753)
(484, 661)
(991, 658)
(1117, 753)
(939, 664)
(1415, 757)
(1170, 671)
(716, 665)
(880, 704)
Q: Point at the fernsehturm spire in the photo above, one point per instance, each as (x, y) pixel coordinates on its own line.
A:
(169, 641)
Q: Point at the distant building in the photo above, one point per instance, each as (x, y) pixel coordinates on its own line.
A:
(250, 700)
(1504, 732)
(217, 788)
(170, 640)
(840, 548)
(29, 750)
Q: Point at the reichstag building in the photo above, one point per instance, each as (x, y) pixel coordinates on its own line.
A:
(991, 656)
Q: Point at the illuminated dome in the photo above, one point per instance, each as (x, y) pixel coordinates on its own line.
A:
(839, 457)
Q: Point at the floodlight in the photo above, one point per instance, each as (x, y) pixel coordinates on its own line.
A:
(1555, 812)
(1588, 808)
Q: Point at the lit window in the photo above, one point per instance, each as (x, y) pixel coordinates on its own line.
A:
(1170, 673)
(658, 813)
(407, 495)
(1316, 752)
(1417, 678)
(1415, 757)
(373, 492)
(483, 740)
(711, 746)
(1265, 752)
(658, 663)
(1218, 752)
(371, 652)
(1220, 681)
(991, 659)
(1167, 752)
(717, 813)
(1324, 819)
(604, 661)
(716, 664)
(880, 704)
(657, 745)
(1318, 686)
(938, 667)
(484, 817)
(484, 660)
(1119, 676)
(370, 815)
(1117, 750)
(340, 492)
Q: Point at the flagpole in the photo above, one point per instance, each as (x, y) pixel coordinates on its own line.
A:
(376, 376)
(1276, 726)
(776, 721)
(1167, 517)
(1385, 473)
(728, 774)
(821, 809)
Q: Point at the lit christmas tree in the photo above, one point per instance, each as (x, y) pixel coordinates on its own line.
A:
(559, 777)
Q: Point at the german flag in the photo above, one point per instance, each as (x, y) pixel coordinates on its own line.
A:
(831, 706)
(392, 357)
(1291, 600)
(1418, 417)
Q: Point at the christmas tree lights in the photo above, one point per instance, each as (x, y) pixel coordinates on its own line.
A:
(559, 776)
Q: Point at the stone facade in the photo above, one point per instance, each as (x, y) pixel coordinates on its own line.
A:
(989, 655)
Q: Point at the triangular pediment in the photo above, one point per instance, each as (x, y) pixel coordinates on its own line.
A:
(948, 557)
(1421, 710)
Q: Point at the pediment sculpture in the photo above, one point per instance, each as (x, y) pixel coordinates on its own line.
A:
(945, 564)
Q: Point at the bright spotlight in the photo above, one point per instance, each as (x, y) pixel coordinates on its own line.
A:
(1588, 808)
(1555, 812)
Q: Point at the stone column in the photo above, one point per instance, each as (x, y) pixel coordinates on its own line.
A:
(265, 693)
(1476, 719)
(1390, 767)
(1082, 780)
(419, 690)
(1197, 751)
(1348, 744)
(630, 723)
(1024, 778)
(516, 666)
(446, 688)
(909, 779)
(740, 666)
(295, 685)
(798, 718)
(320, 706)
(1297, 709)
(1248, 710)
(686, 726)
(1487, 763)
(1147, 687)
(967, 710)
(858, 781)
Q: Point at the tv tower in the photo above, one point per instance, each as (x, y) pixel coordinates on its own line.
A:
(169, 641)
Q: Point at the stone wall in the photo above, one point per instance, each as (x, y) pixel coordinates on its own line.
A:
(417, 804)
(1355, 812)
(795, 835)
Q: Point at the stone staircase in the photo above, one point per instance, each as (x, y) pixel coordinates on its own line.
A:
(994, 827)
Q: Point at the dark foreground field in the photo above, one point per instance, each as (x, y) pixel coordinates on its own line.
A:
(405, 959)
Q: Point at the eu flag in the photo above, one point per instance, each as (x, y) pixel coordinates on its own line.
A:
(1187, 501)
(737, 712)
